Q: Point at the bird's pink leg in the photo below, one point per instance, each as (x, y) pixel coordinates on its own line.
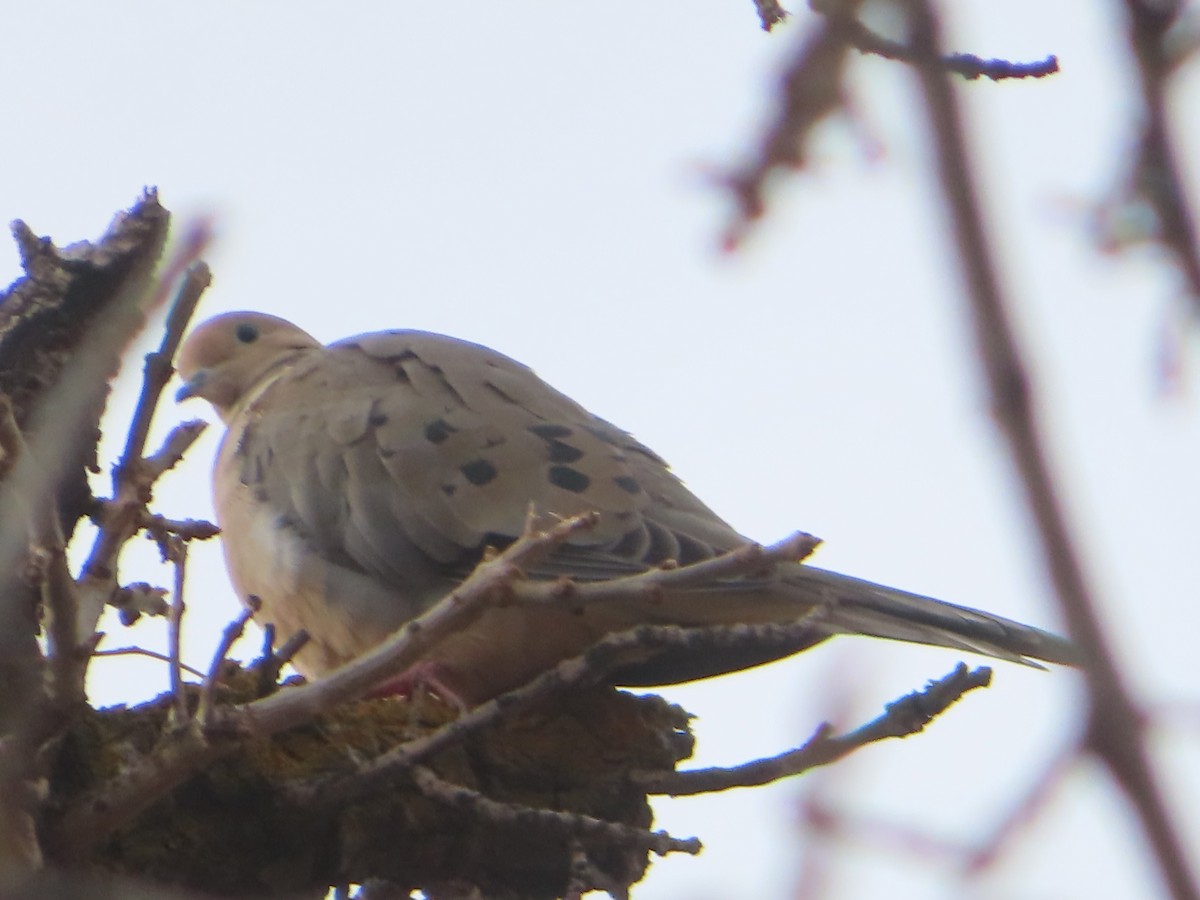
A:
(430, 676)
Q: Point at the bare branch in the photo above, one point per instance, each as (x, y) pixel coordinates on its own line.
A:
(59, 602)
(1157, 174)
(133, 477)
(149, 654)
(271, 663)
(190, 750)
(813, 89)
(906, 716)
(562, 824)
(561, 759)
(1116, 731)
(62, 330)
(158, 367)
(748, 559)
(968, 65)
(571, 674)
(1027, 807)
(176, 444)
(189, 529)
(234, 630)
(178, 550)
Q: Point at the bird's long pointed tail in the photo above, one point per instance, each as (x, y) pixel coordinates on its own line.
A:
(855, 606)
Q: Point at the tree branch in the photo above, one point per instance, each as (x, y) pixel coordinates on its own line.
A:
(902, 718)
(1157, 174)
(560, 824)
(1116, 732)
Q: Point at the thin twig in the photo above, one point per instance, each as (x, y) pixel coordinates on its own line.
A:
(876, 834)
(188, 529)
(121, 517)
(1116, 732)
(158, 368)
(746, 560)
(1036, 798)
(178, 551)
(151, 654)
(968, 65)
(205, 712)
(272, 661)
(174, 446)
(555, 822)
(906, 716)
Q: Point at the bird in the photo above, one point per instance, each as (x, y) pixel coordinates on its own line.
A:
(358, 483)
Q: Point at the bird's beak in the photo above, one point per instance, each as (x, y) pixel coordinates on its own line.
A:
(191, 387)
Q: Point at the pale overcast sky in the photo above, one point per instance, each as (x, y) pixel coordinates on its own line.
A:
(535, 176)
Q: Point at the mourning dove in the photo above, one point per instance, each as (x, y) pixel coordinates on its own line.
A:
(358, 483)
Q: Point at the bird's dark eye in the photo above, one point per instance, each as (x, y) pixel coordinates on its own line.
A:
(246, 333)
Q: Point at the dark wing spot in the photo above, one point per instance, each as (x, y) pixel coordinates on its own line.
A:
(563, 453)
(438, 430)
(627, 484)
(558, 451)
(549, 431)
(478, 471)
(569, 479)
(449, 489)
(377, 420)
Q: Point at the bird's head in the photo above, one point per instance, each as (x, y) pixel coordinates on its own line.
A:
(225, 357)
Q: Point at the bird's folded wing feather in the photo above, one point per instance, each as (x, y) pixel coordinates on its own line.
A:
(403, 452)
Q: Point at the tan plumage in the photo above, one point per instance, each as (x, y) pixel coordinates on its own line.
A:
(358, 482)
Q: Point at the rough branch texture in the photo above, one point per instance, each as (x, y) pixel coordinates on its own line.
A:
(246, 825)
(44, 316)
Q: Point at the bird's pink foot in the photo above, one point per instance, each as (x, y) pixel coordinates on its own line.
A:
(429, 677)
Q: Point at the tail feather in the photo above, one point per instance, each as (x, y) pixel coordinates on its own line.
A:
(854, 606)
